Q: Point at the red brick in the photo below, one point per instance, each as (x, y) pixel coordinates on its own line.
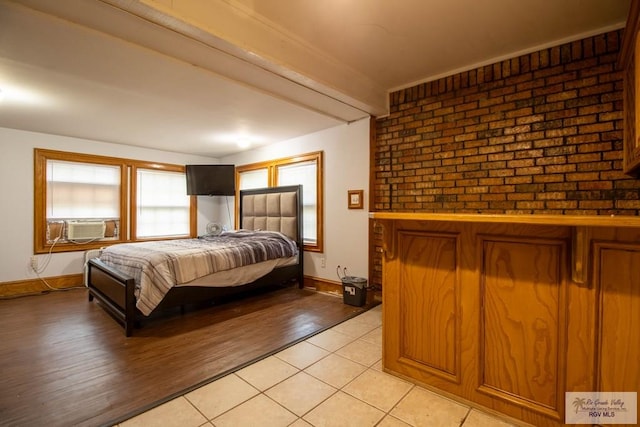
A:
(578, 158)
(581, 139)
(522, 112)
(466, 106)
(502, 139)
(548, 89)
(594, 166)
(595, 204)
(558, 177)
(595, 185)
(546, 108)
(517, 129)
(613, 155)
(503, 107)
(520, 196)
(521, 163)
(562, 96)
(476, 159)
(600, 127)
(560, 168)
(500, 156)
(518, 180)
(552, 195)
(600, 69)
(580, 120)
(596, 90)
(502, 172)
(582, 176)
(561, 186)
(581, 82)
(475, 189)
(551, 160)
(493, 197)
(627, 204)
(530, 205)
(453, 132)
(614, 115)
(564, 204)
(501, 188)
(533, 170)
(530, 84)
(494, 165)
(548, 142)
(553, 133)
(531, 118)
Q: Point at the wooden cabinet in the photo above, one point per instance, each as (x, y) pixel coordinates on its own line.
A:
(490, 312)
(630, 63)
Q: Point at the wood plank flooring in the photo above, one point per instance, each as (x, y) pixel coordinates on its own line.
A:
(65, 361)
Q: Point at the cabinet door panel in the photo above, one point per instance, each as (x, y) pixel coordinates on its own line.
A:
(522, 322)
(428, 302)
(618, 282)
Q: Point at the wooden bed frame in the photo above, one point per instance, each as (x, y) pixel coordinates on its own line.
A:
(116, 291)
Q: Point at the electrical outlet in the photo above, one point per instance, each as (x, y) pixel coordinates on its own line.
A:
(323, 262)
(34, 262)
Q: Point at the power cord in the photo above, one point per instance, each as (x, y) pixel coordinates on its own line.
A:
(229, 213)
(40, 269)
(34, 261)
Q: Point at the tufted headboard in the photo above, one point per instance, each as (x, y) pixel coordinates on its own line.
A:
(273, 209)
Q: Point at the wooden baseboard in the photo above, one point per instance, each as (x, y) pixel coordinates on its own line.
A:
(323, 285)
(335, 287)
(37, 286)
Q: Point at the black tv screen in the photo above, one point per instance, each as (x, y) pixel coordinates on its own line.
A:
(211, 180)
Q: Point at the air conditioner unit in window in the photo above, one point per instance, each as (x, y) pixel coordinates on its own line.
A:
(82, 230)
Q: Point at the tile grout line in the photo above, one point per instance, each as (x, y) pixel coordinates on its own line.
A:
(336, 390)
(300, 417)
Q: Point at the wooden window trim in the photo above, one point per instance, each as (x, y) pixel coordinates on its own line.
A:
(127, 206)
(272, 174)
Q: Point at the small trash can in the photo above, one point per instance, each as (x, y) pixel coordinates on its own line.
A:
(354, 289)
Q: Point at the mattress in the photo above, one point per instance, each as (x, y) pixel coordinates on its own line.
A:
(242, 275)
(158, 266)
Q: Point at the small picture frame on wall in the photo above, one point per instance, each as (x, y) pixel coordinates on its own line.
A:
(355, 198)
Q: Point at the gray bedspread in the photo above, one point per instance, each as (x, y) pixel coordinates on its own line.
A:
(159, 265)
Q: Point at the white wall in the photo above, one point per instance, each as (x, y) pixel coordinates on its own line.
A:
(346, 167)
(16, 193)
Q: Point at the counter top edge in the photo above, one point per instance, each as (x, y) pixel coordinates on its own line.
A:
(541, 219)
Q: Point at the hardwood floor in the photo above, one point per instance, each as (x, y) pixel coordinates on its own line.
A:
(65, 361)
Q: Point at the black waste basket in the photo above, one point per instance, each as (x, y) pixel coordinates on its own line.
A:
(354, 290)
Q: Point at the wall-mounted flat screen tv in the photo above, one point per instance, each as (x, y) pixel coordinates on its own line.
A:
(211, 180)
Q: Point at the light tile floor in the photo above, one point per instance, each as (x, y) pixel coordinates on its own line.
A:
(334, 378)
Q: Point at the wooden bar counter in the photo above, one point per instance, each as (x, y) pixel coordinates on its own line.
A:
(508, 312)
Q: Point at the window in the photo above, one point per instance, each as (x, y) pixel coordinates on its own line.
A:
(162, 204)
(78, 190)
(257, 178)
(304, 173)
(84, 201)
(306, 170)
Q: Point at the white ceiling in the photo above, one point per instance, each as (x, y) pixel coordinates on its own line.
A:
(200, 76)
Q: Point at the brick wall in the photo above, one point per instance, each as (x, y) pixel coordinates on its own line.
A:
(536, 134)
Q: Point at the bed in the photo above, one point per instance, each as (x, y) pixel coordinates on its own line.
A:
(276, 212)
